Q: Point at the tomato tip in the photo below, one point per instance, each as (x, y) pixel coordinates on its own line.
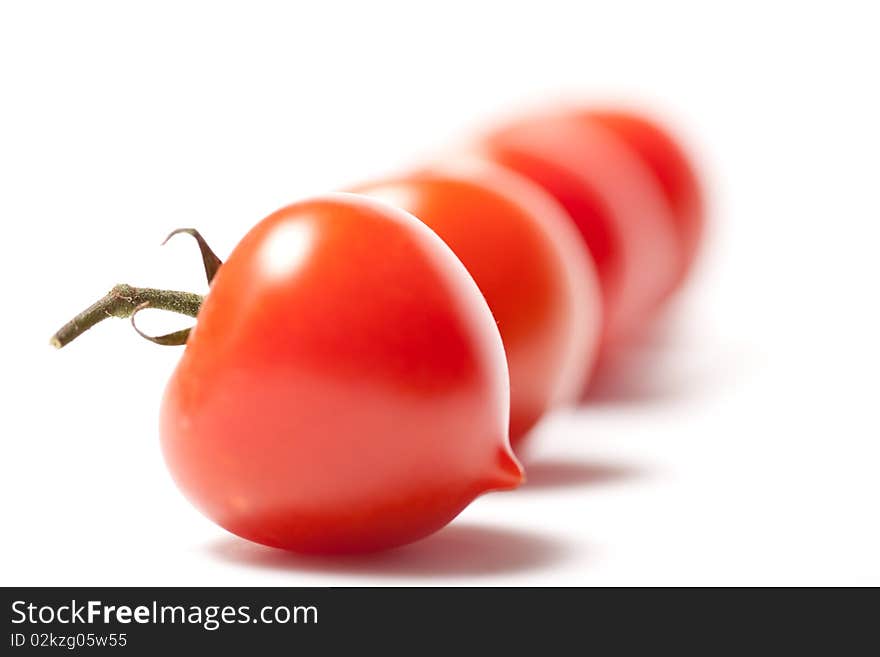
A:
(509, 473)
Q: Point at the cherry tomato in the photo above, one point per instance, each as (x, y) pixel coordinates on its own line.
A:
(524, 255)
(345, 387)
(672, 168)
(614, 200)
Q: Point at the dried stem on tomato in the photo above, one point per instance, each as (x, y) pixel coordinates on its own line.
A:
(125, 301)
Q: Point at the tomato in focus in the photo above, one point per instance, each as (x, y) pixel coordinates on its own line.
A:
(345, 388)
(525, 256)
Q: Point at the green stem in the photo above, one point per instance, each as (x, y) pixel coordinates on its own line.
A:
(123, 301)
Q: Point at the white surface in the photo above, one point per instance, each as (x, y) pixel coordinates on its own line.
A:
(744, 451)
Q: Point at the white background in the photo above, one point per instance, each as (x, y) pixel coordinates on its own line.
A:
(739, 445)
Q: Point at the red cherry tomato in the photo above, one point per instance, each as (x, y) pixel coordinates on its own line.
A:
(345, 387)
(672, 168)
(524, 255)
(614, 200)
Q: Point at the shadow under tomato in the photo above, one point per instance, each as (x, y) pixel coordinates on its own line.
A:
(661, 366)
(458, 550)
(546, 474)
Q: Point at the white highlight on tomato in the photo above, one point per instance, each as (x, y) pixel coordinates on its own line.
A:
(287, 249)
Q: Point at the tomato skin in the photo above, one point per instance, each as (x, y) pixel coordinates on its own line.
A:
(520, 248)
(613, 199)
(345, 387)
(671, 166)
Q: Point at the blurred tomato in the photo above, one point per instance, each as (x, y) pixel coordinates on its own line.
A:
(615, 202)
(527, 259)
(670, 165)
(345, 387)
